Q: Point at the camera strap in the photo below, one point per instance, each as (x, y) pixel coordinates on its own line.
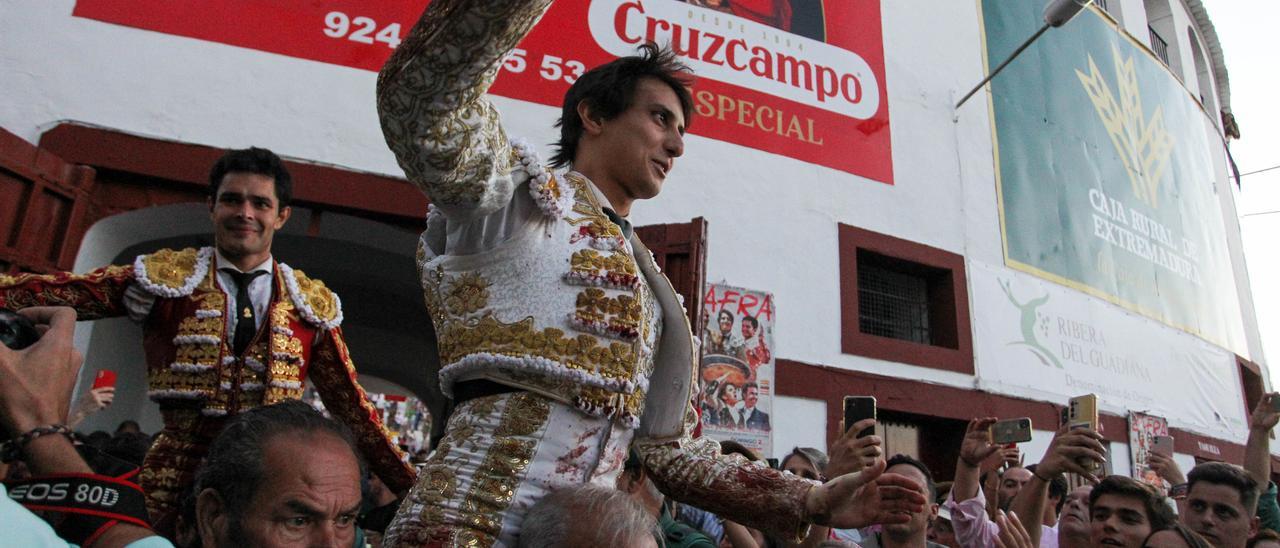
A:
(89, 504)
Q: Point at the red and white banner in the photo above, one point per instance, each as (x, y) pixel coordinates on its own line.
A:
(799, 78)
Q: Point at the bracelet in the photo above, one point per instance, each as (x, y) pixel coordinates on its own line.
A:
(12, 450)
(1036, 473)
(971, 465)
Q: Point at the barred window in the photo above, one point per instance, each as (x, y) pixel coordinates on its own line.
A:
(893, 304)
(903, 301)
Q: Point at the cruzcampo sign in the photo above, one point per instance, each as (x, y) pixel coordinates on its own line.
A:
(1105, 172)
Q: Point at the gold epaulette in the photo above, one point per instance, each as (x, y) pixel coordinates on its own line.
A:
(316, 304)
(170, 273)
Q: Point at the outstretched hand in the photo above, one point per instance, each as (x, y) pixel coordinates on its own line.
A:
(852, 454)
(865, 498)
(1166, 468)
(1264, 416)
(1071, 447)
(1012, 532)
(976, 447)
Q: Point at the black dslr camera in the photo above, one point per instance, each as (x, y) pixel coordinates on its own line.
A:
(16, 331)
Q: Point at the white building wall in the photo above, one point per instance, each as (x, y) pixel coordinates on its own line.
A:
(773, 220)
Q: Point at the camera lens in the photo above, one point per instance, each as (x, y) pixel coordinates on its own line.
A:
(16, 331)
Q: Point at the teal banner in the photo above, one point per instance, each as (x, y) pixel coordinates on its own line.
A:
(1105, 174)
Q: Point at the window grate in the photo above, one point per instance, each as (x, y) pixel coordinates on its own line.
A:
(893, 304)
(1159, 46)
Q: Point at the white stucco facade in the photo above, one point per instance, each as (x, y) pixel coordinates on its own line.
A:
(772, 219)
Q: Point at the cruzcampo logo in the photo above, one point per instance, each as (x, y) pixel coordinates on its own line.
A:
(1033, 324)
(1144, 144)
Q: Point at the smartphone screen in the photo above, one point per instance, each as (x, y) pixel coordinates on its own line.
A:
(105, 378)
(1011, 431)
(857, 408)
(1162, 445)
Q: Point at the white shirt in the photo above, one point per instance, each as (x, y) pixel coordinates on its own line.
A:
(139, 302)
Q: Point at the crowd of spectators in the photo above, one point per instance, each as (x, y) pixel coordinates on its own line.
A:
(286, 475)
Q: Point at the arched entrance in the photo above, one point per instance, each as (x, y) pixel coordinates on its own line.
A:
(369, 264)
(89, 196)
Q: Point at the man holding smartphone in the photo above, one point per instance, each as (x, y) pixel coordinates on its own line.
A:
(967, 504)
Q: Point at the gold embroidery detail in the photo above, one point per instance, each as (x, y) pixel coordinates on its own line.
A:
(590, 261)
(322, 301)
(580, 352)
(468, 293)
(598, 225)
(496, 479)
(618, 316)
(170, 268)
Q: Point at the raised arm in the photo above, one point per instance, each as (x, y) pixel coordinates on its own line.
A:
(1064, 454)
(98, 294)
(334, 376)
(431, 103)
(1257, 458)
(693, 472)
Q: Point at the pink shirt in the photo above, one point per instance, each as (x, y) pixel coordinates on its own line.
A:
(975, 530)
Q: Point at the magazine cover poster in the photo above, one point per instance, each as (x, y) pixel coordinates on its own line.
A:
(1143, 429)
(736, 375)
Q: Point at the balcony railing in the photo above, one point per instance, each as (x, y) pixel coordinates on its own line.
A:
(1101, 4)
(1159, 46)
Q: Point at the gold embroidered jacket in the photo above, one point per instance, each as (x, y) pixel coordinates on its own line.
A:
(562, 304)
(189, 361)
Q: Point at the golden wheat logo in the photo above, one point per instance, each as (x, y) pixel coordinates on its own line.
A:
(1144, 145)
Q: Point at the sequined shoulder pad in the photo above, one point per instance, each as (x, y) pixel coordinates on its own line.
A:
(543, 185)
(170, 273)
(315, 303)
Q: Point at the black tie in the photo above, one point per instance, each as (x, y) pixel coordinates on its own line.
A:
(246, 325)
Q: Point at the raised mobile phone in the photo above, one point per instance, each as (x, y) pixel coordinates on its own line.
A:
(1162, 445)
(857, 408)
(773, 463)
(1011, 431)
(1082, 412)
(105, 378)
(1275, 404)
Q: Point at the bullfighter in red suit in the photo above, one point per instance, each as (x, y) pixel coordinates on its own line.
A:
(225, 329)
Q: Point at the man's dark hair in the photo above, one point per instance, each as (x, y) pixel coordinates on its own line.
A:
(129, 424)
(1058, 487)
(1192, 538)
(724, 312)
(610, 89)
(1159, 515)
(931, 488)
(258, 161)
(97, 439)
(130, 447)
(234, 467)
(751, 320)
(730, 447)
(750, 385)
(1230, 475)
